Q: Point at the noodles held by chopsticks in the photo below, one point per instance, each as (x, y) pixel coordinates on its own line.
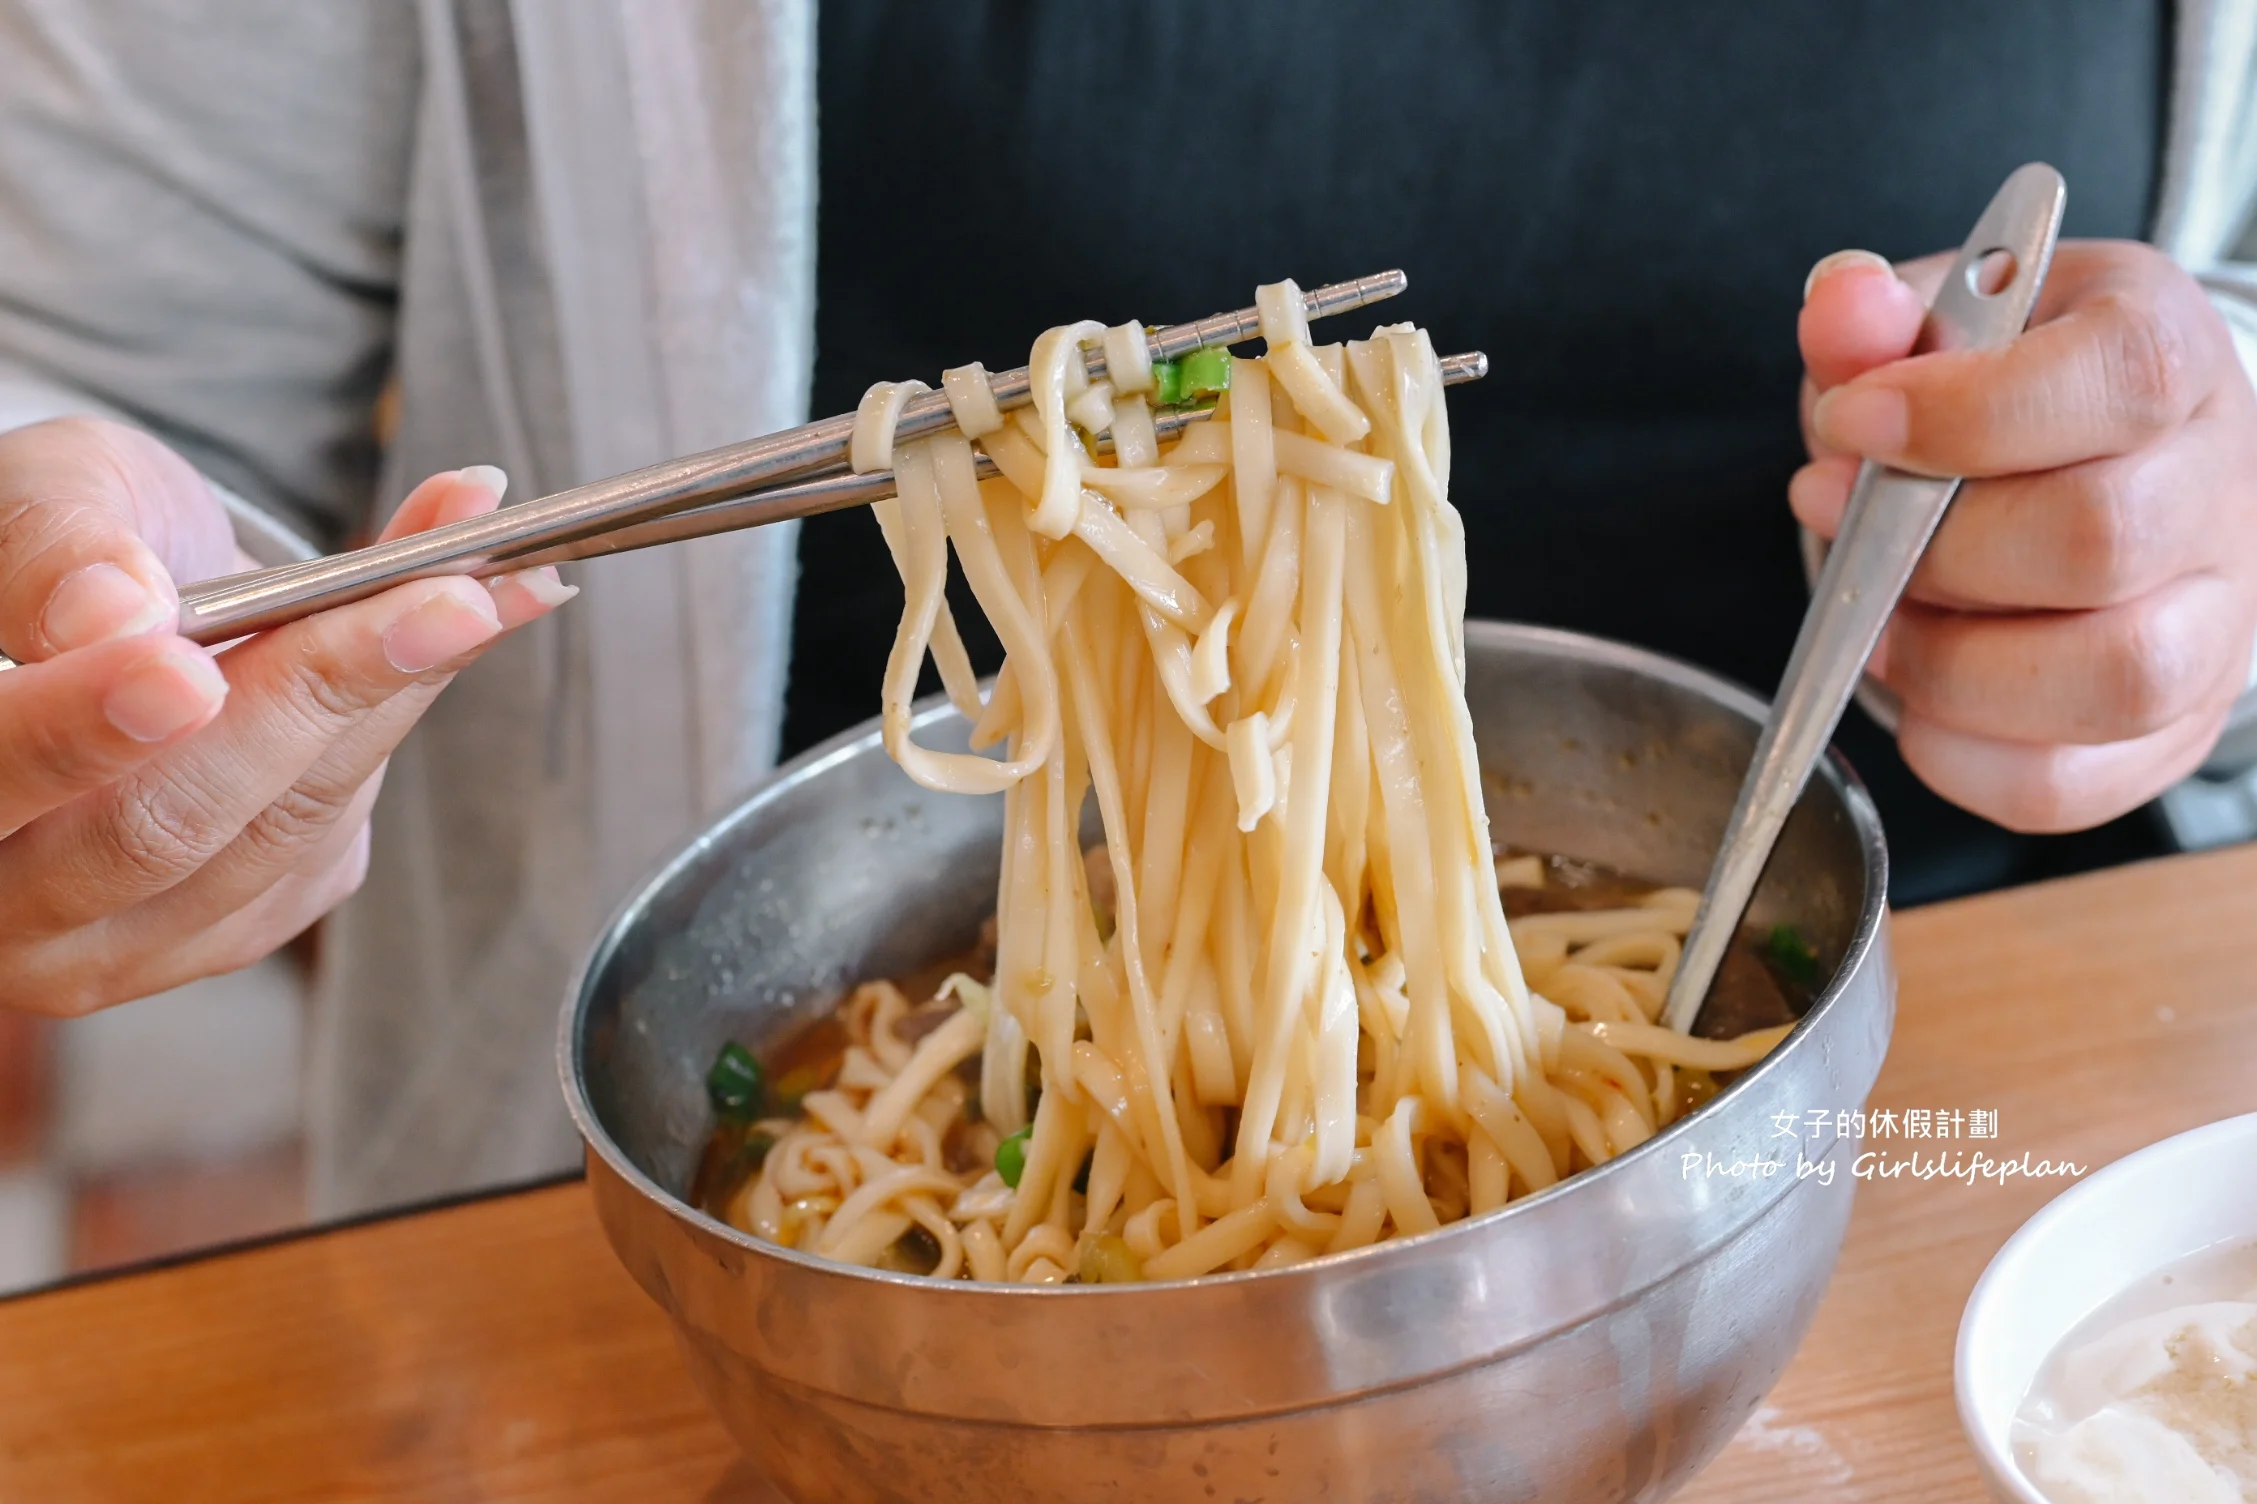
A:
(1300, 1023)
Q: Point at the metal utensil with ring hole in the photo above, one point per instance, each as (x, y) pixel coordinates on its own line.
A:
(1985, 301)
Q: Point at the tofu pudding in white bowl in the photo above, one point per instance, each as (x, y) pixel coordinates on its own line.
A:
(2109, 1353)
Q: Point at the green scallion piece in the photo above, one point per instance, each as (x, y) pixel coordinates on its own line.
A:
(1011, 1157)
(1206, 372)
(735, 1085)
(1167, 383)
(1793, 956)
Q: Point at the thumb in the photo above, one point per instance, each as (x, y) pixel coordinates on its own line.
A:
(87, 512)
(1857, 313)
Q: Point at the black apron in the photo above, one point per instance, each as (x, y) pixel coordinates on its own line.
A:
(1617, 199)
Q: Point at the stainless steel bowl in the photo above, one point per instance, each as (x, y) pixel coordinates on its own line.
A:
(1597, 1342)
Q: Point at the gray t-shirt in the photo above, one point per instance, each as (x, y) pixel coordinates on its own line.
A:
(200, 227)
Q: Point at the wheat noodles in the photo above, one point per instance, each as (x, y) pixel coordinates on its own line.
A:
(1281, 1012)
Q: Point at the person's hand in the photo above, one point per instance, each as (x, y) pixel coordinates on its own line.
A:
(2084, 618)
(167, 813)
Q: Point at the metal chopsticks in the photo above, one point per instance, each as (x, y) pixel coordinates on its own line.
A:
(218, 610)
(810, 498)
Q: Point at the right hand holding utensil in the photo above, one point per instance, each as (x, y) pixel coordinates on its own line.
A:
(2082, 621)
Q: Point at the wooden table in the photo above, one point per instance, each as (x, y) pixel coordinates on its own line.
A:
(494, 1351)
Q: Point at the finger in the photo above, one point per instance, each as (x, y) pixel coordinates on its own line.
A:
(2085, 536)
(449, 496)
(300, 830)
(343, 777)
(81, 972)
(528, 594)
(87, 511)
(1859, 312)
(2082, 677)
(2102, 533)
(1925, 274)
(2054, 788)
(455, 495)
(75, 723)
(2134, 351)
(216, 917)
(295, 692)
(1856, 314)
(1818, 493)
(287, 911)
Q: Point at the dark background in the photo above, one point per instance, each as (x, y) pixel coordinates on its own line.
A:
(1617, 200)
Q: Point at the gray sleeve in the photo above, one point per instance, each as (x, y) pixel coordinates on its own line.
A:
(200, 224)
(26, 398)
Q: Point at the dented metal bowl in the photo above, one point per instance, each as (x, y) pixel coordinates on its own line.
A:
(1597, 1342)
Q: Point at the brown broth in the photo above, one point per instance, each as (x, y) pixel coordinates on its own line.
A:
(809, 1060)
(1749, 993)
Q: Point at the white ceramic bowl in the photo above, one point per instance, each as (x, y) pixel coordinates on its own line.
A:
(2091, 1243)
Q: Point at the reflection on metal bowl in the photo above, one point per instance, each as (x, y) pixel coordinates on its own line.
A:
(1597, 1342)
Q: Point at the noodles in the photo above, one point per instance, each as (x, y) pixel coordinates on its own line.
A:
(1288, 1015)
(1128, 360)
(971, 402)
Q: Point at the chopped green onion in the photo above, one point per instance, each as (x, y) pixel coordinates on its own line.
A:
(1793, 956)
(1167, 383)
(1011, 1157)
(1206, 372)
(1202, 373)
(735, 1085)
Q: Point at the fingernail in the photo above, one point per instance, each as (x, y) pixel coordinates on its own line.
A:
(489, 477)
(165, 696)
(1866, 420)
(101, 603)
(544, 584)
(1841, 260)
(442, 628)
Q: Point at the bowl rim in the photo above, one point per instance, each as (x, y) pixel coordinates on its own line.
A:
(2023, 1248)
(1834, 768)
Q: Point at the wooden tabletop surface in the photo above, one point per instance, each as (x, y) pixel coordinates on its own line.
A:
(494, 1351)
